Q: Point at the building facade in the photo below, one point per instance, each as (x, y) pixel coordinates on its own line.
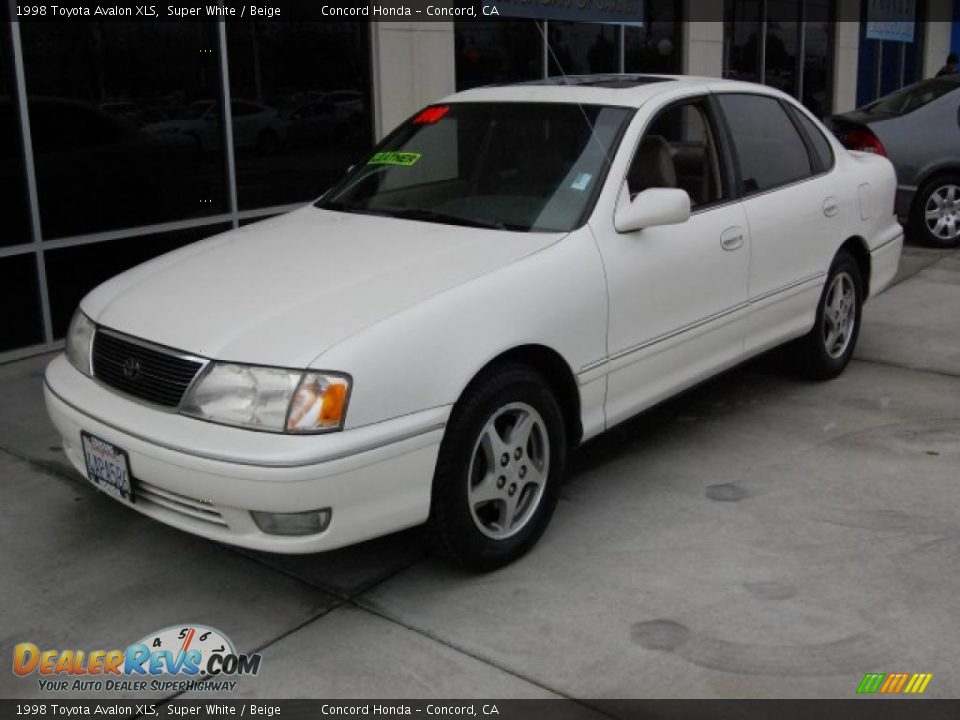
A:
(124, 140)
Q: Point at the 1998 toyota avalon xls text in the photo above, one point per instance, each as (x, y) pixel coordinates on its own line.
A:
(509, 273)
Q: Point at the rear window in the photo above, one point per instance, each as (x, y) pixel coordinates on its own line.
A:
(911, 98)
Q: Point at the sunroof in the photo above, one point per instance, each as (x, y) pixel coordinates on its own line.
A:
(605, 81)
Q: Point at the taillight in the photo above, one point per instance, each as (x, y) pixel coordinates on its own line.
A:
(865, 141)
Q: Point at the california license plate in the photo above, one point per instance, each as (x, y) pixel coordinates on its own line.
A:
(108, 467)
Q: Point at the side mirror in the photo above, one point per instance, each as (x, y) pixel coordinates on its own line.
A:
(654, 207)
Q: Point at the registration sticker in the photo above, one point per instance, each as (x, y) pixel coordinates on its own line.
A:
(394, 158)
(581, 181)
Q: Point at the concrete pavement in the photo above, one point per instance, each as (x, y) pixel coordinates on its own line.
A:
(759, 536)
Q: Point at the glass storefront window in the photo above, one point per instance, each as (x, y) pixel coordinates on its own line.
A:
(817, 91)
(19, 290)
(656, 46)
(301, 106)
(13, 200)
(583, 48)
(497, 51)
(72, 272)
(125, 122)
(784, 44)
(742, 28)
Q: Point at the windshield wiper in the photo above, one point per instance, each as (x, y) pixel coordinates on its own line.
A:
(434, 216)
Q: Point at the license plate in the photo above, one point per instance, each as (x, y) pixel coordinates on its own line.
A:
(108, 467)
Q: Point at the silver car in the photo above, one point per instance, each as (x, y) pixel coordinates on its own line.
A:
(918, 128)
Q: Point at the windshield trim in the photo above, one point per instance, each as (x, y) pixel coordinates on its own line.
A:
(610, 155)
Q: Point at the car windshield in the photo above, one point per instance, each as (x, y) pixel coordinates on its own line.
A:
(509, 166)
(910, 98)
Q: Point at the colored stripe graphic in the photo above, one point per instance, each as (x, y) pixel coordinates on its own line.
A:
(894, 683)
(871, 682)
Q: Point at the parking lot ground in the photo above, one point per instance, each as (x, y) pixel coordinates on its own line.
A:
(759, 536)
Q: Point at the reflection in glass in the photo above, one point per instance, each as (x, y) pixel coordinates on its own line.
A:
(301, 106)
(72, 272)
(654, 47)
(583, 48)
(782, 40)
(19, 290)
(125, 125)
(498, 51)
(13, 199)
(741, 39)
(817, 57)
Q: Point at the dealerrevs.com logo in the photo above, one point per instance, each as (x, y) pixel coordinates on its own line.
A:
(177, 658)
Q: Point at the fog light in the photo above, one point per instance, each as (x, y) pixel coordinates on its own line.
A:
(304, 523)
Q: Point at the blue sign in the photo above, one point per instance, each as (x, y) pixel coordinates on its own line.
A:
(598, 11)
(891, 20)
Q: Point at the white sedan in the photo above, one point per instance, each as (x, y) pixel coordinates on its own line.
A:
(511, 272)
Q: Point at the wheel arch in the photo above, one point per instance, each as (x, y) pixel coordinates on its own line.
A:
(555, 371)
(858, 248)
(928, 177)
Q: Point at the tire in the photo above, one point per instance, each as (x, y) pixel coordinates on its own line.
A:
(827, 348)
(492, 498)
(941, 199)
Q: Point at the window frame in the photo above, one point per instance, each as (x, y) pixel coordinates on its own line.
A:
(793, 112)
(816, 168)
(728, 177)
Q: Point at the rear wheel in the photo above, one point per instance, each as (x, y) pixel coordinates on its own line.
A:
(936, 213)
(499, 470)
(828, 347)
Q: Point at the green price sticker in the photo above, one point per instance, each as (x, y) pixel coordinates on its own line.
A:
(394, 158)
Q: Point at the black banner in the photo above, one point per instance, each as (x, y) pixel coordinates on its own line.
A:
(855, 709)
(384, 10)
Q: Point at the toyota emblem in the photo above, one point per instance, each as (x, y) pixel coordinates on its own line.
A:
(131, 368)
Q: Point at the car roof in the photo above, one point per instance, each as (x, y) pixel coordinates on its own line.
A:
(631, 90)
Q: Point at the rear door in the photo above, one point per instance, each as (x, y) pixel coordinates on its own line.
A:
(793, 209)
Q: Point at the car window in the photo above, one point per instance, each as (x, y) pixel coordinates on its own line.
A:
(240, 108)
(912, 97)
(505, 165)
(769, 149)
(679, 150)
(821, 145)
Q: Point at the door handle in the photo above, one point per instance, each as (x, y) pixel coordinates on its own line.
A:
(731, 238)
(831, 206)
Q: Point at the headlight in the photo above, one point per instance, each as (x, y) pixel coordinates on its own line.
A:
(272, 399)
(79, 339)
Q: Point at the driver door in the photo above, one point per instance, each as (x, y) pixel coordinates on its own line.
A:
(677, 293)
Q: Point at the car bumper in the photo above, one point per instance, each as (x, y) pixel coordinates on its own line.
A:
(206, 479)
(885, 259)
(904, 202)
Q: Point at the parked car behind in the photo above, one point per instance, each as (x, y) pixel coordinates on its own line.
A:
(918, 128)
(512, 271)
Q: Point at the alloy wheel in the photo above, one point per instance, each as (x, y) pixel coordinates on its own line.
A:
(839, 314)
(508, 470)
(942, 213)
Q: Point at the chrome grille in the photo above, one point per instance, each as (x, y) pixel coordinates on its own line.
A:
(147, 372)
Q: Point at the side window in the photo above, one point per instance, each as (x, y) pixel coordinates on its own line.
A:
(768, 146)
(820, 144)
(679, 150)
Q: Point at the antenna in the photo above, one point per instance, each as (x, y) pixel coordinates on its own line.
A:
(593, 133)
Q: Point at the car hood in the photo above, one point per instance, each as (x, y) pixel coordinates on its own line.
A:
(283, 291)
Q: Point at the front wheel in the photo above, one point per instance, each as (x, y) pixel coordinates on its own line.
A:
(828, 347)
(499, 470)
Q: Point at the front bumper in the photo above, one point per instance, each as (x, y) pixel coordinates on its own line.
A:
(205, 478)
